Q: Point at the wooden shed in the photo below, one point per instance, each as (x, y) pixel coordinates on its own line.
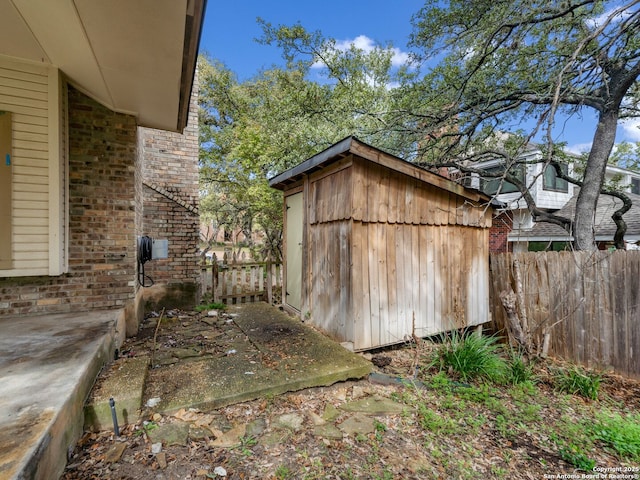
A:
(377, 249)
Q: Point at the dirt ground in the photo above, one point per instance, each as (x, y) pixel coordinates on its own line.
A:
(475, 432)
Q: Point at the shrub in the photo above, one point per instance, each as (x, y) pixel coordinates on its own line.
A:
(519, 371)
(470, 356)
(578, 381)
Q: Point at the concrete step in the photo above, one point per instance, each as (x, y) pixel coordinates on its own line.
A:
(48, 365)
(124, 383)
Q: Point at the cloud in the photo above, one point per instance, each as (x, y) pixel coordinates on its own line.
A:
(579, 148)
(615, 13)
(631, 129)
(367, 45)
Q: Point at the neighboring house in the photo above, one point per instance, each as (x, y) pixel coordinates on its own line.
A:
(80, 181)
(548, 236)
(513, 226)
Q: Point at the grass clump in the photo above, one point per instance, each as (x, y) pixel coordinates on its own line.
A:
(469, 357)
(578, 382)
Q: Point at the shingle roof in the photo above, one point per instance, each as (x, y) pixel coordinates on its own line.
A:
(604, 225)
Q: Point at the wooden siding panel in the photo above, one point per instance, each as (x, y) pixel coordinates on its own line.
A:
(24, 90)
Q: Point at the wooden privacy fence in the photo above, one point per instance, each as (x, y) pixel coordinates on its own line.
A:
(237, 280)
(588, 301)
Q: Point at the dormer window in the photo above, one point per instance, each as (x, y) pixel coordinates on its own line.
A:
(552, 182)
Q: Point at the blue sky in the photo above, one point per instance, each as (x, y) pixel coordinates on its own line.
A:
(230, 30)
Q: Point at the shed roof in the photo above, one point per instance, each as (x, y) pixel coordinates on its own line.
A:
(351, 145)
(605, 227)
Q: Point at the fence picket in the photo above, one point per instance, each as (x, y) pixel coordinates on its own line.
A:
(590, 299)
(237, 281)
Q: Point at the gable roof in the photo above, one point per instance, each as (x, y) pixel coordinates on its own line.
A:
(135, 57)
(604, 224)
(351, 145)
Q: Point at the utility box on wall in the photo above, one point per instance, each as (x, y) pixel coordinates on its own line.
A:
(378, 249)
(159, 249)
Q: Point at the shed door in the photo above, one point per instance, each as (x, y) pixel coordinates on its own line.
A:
(294, 223)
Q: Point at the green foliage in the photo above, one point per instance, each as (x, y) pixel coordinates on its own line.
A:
(470, 356)
(621, 433)
(578, 381)
(211, 306)
(436, 422)
(283, 472)
(577, 458)
(519, 370)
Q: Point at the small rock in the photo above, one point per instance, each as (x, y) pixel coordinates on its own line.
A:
(156, 448)
(220, 471)
(212, 313)
(162, 460)
(328, 431)
(316, 419)
(257, 427)
(358, 424)
(115, 452)
(231, 438)
(156, 417)
(292, 421)
(330, 413)
(152, 402)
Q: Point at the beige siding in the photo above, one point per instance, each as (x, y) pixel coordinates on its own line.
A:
(26, 90)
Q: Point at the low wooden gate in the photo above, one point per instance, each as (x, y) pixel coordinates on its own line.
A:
(238, 280)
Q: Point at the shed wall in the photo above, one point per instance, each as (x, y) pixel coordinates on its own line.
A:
(386, 250)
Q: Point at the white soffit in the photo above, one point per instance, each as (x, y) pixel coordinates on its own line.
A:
(126, 54)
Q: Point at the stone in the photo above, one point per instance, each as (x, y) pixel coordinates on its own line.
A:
(231, 438)
(374, 406)
(316, 419)
(174, 433)
(291, 421)
(357, 425)
(161, 458)
(115, 452)
(330, 413)
(273, 439)
(257, 427)
(329, 431)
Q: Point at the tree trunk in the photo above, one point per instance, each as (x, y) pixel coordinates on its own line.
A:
(603, 140)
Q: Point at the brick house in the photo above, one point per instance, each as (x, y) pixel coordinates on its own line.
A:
(97, 125)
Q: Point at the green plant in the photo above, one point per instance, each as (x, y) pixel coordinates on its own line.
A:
(436, 422)
(211, 306)
(578, 381)
(575, 457)
(519, 371)
(470, 356)
(283, 472)
(246, 443)
(620, 433)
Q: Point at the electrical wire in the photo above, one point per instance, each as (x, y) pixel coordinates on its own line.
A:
(145, 245)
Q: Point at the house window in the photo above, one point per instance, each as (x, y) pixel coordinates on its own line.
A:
(635, 186)
(496, 185)
(551, 180)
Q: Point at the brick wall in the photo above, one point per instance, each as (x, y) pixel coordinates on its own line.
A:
(500, 228)
(170, 198)
(102, 255)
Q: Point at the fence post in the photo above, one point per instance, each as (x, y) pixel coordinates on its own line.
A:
(214, 278)
(269, 280)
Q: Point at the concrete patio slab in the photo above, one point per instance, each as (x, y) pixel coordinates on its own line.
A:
(48, 365)
(276, 354)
